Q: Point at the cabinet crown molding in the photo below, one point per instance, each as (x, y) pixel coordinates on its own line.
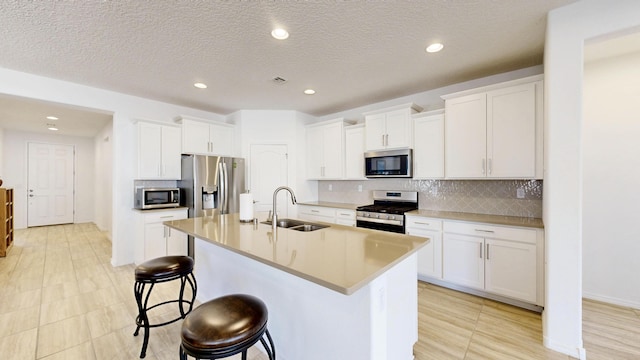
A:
(156, 122)
(428, 113)
(412, 106)
(524, 80)
(332, 121)
(180, 118)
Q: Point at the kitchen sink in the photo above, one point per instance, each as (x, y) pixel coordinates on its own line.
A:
(297, 225)
(308, 227)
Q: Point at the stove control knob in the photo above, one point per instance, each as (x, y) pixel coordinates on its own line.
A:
(391, 217)
(378, 216)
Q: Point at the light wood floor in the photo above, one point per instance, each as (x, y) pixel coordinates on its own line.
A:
(61, 299)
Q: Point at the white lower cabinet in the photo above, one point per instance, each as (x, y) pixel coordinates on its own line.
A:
(430, 256)
(500, 260)
(346, 217)
(330, 215)
(153, 239)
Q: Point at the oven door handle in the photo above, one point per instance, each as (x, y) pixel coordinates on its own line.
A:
(399, 222)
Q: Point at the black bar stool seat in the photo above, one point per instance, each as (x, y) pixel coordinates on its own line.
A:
(224, 327)
(159, 270)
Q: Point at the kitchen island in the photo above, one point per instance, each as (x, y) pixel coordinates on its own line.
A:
(335, 293)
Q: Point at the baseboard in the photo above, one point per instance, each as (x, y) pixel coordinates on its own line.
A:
(578, 353)
(611, 300)
(506, 300)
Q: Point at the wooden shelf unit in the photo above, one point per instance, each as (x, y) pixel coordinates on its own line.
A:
(6, 220)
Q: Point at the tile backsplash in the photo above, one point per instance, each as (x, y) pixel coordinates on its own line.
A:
(495, 197)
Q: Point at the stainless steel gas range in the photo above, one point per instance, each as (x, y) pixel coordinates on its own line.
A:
(387, 211)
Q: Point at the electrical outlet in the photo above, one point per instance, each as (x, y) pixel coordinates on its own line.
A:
(520, 193)
(330, 187)
(359, 188)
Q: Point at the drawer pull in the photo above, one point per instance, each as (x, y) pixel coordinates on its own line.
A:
(422, 223)
(166, 217)
(343, 214)
(315, 211)
(485, 231)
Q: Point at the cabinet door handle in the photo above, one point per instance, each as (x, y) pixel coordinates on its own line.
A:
(483, 166)
(489, 166)
(386, 140)
(480, 250)
(382, 139)
(487, 251)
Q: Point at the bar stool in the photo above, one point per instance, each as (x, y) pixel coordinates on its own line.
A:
(224, 327)
(155, 271)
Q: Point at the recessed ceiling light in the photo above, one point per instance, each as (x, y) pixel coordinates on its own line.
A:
(280, 34)
(200, 85)
(52, 127)
(435, 47)
(52, 118)
(309, 91)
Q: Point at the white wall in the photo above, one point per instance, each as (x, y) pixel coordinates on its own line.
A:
(103, 178)
(567, 30)
(125, 108)
(1, 153)
(15, 143)
(279, 127)
(611, 199)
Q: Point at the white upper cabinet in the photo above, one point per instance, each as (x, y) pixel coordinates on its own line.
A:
(428, 145)
(354, 151)
(158, 151)
(495, 132)
(390, 128)
(199, 137)
(325, 150)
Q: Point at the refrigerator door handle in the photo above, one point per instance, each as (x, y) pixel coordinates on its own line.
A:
(224, 189)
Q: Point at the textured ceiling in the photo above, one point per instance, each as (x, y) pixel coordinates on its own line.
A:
(352, 53)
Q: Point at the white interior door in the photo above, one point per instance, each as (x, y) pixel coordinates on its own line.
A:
(268, 171)
(50, 184)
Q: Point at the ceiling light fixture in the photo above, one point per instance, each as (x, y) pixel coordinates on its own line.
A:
(280, 34)
(52, 127)
(52, 118)
(435, 47)
(309, 91)
(200, 85)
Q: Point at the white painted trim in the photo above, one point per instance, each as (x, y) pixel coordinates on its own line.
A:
(611, 300)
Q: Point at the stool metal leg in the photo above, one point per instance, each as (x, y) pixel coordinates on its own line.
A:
(271, 350)
(143, 319)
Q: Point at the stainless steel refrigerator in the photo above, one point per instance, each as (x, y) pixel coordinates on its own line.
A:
(211, 185)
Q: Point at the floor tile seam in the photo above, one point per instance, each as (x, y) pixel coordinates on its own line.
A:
(475, 329)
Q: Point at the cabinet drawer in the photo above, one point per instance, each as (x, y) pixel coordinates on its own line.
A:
(345, 214)
(490, 231)
(422, 223)
(318, 211)
(161, 216)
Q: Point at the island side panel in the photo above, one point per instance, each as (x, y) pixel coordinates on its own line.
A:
(308, 321)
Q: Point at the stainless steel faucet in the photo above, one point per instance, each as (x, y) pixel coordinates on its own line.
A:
(274, 216)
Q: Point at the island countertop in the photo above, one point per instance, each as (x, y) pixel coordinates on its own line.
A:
(341, 258)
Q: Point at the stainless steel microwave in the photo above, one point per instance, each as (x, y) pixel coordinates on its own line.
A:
(389, 163)
(156, 198)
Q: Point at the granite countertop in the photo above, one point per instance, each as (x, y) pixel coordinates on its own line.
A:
(482, 218)
(331, 204)
(341, 258)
